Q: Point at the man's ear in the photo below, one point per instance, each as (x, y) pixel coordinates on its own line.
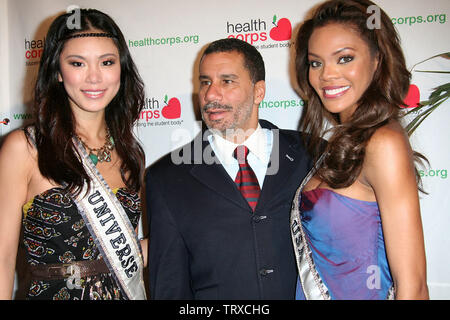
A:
(259, 91)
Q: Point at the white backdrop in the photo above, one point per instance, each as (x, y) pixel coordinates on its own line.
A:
(165, 39)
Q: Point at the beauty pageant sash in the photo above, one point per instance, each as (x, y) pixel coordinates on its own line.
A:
(112, 231)
(312, 284)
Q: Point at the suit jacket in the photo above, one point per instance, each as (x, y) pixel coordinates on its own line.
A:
(205, 242)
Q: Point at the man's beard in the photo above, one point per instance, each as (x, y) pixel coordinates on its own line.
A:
(228, 126)
(212, 124)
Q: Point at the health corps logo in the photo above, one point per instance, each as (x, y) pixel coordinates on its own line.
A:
(172, 109)
(156, 113)
(33, 51)
(256, 30)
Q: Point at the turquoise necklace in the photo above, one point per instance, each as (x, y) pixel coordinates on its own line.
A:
(103, 153)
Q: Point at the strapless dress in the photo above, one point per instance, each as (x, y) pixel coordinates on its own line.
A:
(347, 250)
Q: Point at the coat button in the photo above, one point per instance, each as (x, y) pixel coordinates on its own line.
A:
(265, 272)
(257, 218)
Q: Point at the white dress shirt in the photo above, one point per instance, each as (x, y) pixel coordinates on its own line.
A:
(259, 145)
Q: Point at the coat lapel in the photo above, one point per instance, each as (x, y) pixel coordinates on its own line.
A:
(215, 177)
(285, 160)
(279, 174)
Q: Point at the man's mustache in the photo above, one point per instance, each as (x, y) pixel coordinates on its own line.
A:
(216, 106)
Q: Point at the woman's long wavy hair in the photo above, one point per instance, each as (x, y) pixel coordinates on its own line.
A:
(379, 104)
(54, 120)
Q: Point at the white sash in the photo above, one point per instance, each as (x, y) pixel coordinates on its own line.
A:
(112, 231)
(312, 285)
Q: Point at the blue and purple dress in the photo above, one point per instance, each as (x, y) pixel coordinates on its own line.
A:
(339, 247)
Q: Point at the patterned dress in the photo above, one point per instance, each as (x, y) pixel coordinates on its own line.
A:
(55, 232)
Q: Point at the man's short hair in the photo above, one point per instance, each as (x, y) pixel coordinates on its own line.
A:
(253, 60)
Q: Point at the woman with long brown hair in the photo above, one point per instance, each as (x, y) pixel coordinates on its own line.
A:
(74, 176)
(355, 221)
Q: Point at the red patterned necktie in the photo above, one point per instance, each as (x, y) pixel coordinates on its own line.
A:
(246, 180)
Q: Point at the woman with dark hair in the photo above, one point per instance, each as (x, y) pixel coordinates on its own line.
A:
(355, 221)
(74, 176)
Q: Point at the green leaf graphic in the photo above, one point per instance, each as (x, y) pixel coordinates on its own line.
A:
(274, 19)
(165, 98)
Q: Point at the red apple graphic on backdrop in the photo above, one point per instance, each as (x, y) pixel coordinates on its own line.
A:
(173, 108)
(282, 30)
(413, 97)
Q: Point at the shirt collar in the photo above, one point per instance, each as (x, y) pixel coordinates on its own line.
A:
(257, 143)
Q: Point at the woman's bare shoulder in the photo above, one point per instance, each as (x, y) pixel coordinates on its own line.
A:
(388, 153)
(390, 138)
(17, 148)
(18, 141)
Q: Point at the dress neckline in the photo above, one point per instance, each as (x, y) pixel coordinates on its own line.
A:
(338, 194)
(28, 204)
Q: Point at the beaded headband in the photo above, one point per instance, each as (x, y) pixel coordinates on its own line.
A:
(89, 34)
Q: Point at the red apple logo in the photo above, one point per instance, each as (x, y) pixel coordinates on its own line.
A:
(282, 30)
(412, 99)
(172, 110)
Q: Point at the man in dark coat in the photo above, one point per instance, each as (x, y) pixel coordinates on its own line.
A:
(207, 239)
